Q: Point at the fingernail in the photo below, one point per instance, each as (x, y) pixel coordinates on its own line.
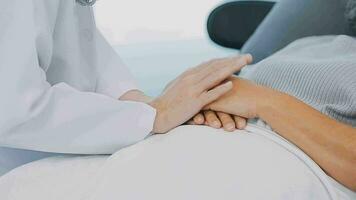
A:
(230, 127)
(216, 124)
(241, 125)
(249, 57)
(200, 120)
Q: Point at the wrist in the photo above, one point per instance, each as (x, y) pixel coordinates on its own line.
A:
(266, 101)
(158, 126)
(135, 95)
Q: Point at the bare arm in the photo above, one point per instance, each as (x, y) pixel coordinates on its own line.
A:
(329, 143)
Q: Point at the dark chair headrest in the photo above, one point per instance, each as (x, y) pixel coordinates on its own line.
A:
(231, 24)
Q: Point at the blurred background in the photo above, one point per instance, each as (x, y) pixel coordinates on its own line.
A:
(158, 39)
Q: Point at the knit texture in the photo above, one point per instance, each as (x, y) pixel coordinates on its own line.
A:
(320, 71)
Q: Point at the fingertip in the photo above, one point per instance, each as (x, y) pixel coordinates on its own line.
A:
(242, 62)
(249, 58)
(241, 123)
(199, 119)
(216, 124)
(197, 122)
(244, 124)
(230, 127)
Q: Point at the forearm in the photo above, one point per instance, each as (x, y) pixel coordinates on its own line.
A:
(329, 143)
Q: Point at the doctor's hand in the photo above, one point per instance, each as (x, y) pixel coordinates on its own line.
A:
(185, 96)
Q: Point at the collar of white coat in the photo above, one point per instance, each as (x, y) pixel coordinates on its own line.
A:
(86, 2)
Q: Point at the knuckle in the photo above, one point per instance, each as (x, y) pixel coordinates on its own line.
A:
(218, 67)
(215, 75)
(213, 63)
(188, 72)
(222, 71)
(187, 78)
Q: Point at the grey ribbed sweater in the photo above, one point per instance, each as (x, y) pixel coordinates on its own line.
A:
(320, 71)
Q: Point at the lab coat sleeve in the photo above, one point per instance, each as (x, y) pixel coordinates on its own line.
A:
(114, 77)
(56, 118)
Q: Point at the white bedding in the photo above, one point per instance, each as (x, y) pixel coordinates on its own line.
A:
(191, 162)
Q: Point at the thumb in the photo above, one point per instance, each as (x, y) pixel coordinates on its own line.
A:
(208, 107)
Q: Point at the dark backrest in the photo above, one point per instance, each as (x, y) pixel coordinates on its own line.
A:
(231, 24)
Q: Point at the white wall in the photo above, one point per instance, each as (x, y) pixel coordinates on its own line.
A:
(137, 21)
(158, 39)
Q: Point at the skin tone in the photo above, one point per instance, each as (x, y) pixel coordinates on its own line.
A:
(185, 96)
(328, 142)
(209, 118)
(219, 120)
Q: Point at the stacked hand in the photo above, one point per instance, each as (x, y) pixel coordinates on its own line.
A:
(195, 89)
(206, 95)
(232, 110)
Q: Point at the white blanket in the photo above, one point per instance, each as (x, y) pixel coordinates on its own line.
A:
(190, 163)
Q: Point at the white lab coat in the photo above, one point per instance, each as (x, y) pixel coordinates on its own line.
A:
(60, 82)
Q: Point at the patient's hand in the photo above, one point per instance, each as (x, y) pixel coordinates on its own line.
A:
(219, 119)
(242, 100)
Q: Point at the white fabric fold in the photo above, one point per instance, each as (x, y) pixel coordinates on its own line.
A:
(190, 162)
